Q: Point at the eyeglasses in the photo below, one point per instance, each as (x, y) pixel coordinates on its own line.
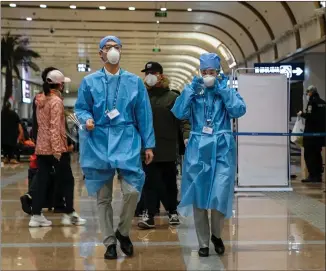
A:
(109, 47)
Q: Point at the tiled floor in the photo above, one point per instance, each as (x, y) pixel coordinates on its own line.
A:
(268, 231)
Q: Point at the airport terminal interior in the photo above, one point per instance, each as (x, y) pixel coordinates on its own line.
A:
(278, 221)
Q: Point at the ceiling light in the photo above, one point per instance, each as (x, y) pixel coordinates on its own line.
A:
(132, 8)
(72, 6)
(189, 9)
(43, 6)
(67, 91)
(12, 5)
(157, 22)
(29, 19)
(163, 9)
(102, 7)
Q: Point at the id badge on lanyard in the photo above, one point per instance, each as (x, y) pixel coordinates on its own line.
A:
(114, 113)
(208, 129)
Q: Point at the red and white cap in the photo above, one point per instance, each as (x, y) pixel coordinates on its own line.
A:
(57, 77)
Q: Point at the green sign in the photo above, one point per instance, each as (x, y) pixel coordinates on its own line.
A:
(156, 50)
(161, 14)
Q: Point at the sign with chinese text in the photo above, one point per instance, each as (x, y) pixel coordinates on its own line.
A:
(293, 71)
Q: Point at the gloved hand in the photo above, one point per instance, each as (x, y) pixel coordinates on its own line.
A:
(221, 82)
(196, 83)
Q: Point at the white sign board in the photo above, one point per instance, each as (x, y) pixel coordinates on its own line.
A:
(263, 160)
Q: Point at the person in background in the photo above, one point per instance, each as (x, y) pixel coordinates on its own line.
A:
(52, 151)
(11, 133)
(161, 179)
(210, 162)
(315, 123)
(114, 107)
(54, 196)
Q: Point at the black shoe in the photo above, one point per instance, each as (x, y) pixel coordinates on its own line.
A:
(312, 180)
(174, 219)
(147, 222)
(111, 253)
(138, 213)
(125, 244)
(218, 244)
(26, 202)
(203, 252)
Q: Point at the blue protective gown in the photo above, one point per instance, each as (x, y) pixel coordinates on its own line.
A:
(114, 143)
(210, 161)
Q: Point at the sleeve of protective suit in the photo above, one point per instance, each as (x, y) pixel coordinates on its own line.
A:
(84, 103)
(234, 103)
(182, 106)
(144, 117)
(56, 113)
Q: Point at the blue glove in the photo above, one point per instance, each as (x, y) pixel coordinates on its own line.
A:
(221, 82)
(197, 83)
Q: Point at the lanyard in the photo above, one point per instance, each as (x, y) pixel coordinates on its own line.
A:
(107, 90)
(208, 110)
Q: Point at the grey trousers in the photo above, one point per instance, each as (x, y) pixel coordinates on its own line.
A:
(202, 225)
(104, 203)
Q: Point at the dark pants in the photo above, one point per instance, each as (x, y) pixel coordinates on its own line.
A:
(9, 151)
(314, 160)
(160, 184)
(63, 174)
(54, 196)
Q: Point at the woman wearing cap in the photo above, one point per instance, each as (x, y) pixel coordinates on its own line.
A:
(209, 166)
(52, 151)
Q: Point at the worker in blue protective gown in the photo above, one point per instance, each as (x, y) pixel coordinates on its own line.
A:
(114, 110)
(210, 162)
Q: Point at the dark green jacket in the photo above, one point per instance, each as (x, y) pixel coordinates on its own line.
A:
(166, 126)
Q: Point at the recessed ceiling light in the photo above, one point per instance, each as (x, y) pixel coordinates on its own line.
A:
(43, 6)
(12, 5)
(163, 9)
(157, 22)
(189, 9)
(72, 6)
(132, 8)
(102, 7)
(29, 19)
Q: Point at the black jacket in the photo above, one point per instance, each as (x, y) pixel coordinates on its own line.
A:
(315, 116)
(9, 127)
(166, 126)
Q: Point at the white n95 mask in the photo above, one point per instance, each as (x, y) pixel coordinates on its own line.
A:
(151, 80)
(209, 80)
(113, 56)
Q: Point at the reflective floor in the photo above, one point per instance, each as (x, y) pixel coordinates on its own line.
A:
(269, 231)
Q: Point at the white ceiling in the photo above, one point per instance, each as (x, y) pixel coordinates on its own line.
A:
(234, 30)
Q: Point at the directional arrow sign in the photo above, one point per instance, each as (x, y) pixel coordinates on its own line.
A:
(298, 71)
(293, 71)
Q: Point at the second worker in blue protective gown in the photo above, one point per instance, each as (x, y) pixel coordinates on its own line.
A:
(114, 106)
(210, 160)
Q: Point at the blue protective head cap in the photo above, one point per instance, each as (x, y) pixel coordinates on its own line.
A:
(209, 61)
(109, 38)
